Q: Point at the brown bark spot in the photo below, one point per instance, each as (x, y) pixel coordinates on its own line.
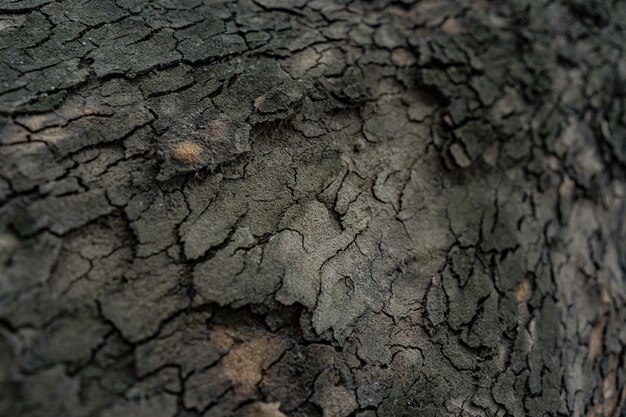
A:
(186, 151)
(216, 130)
(244, 364)
(452, 26)
(605, 297)
(607, 405)
(219, 334)
(88, 110)
(566, 189)
(596, 341)
(522, 292)
(554, 163)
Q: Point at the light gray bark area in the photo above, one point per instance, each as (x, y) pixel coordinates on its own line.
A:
(333, 208)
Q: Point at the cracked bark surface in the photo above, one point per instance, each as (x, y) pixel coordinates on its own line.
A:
(334, 208)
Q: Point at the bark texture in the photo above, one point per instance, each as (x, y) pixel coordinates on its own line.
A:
(334, 208)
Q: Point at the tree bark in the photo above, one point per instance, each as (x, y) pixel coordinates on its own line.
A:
(337, 208)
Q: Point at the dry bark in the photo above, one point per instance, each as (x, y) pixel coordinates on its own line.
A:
(337, 208)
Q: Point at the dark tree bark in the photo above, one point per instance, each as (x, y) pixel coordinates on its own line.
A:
(312, 208)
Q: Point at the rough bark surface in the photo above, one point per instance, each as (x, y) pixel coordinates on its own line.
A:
(312, 208)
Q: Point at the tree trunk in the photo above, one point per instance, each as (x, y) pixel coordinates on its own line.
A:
(270, 208)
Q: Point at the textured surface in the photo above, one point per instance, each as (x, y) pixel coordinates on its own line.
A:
(329, 208)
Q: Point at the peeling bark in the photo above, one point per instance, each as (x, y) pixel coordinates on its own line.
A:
(312, 208)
